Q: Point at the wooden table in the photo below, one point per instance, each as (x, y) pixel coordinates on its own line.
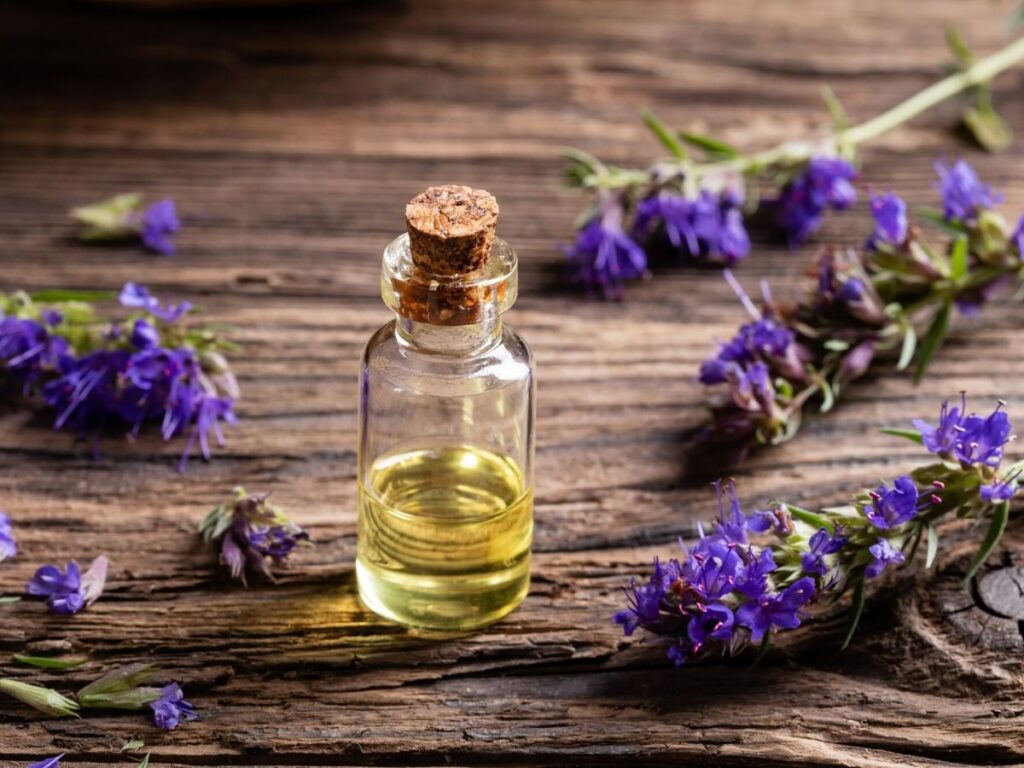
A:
(291, 141)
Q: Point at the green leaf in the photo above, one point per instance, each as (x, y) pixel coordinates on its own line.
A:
(1000, 516)
(10, 600)
(988, 128)
(828, 398)
(911, 434)
(119, 680)
(145, 761)
(664, 134)
(908, 348)
(811, 518)
(935, 217)
(45, 662)
(856, 609)
(56, 295)
(933, 340)
(131, 746)
(958, 259)
(957, 46)
(839, 116)
(710, 144)
(933, 546)
(132, 699)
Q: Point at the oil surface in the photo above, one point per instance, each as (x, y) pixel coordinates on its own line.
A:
(444, 537)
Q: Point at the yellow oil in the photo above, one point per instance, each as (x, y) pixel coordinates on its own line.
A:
(444, 537)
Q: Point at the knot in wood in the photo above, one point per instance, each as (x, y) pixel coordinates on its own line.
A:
(1002, 592)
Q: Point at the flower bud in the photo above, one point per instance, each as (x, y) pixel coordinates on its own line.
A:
(45, 700)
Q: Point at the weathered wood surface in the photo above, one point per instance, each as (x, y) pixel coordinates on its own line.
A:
(291, 141)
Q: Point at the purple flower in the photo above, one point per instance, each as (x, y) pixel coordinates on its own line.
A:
(250, 531)
(890, 214)
(883, 554)
(604, 256)
(644, 602)
(998, 491)
(171, 708)
(144, 335)
(1017, 238)
(114, 386)
(159, 222)
(822, 543)
(29, 353)
(892, 507)
(761, 339)
(50, 762)
(826, 183)
(782, 610)
(8, 546)
(709, 227)
(68, 592)
(971, 440)
(138, 296)
(963, 194)
(714, 621)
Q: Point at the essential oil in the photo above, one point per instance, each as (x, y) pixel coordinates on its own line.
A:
(444, 537)
(445, 467)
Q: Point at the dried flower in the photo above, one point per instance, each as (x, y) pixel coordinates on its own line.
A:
(863, 305)
(171, 708)
(68, 592)
(123, 217)
(8, 546)
(249, 532)
(757, 574)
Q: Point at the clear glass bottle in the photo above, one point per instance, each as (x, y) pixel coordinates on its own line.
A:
(445, 466)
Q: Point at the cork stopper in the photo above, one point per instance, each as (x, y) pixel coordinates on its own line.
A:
(451, 229)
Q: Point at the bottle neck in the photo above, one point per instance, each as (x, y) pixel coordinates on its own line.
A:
(449, 339)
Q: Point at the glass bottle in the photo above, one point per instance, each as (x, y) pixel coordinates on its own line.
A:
(445, 464)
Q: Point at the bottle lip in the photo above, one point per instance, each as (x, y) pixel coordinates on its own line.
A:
(462, 299)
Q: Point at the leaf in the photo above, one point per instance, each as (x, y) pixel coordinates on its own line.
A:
(839, 116)
(935, 217)
(45, 662)
(134, 744)
(119, 680)
(1015, 19)
(960, 50)
(710, 144)
(10, 600)
(856, 609)
(1000, 515)
(145, 761)
(933, 340)
(664, 134)
(933, 546)
(811, 518)
(958, 259)
(908, 348)
(911, 434)
(56, 295)
(988, 128)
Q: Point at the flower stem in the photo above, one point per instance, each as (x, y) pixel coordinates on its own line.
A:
(791, 152)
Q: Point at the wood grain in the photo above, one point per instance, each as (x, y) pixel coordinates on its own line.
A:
(291, 140)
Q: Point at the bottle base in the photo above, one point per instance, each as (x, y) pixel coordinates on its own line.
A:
(446, 603)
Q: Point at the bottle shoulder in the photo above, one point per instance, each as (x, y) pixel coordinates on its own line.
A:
(507, 361)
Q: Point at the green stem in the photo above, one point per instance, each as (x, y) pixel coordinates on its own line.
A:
(793, 152)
